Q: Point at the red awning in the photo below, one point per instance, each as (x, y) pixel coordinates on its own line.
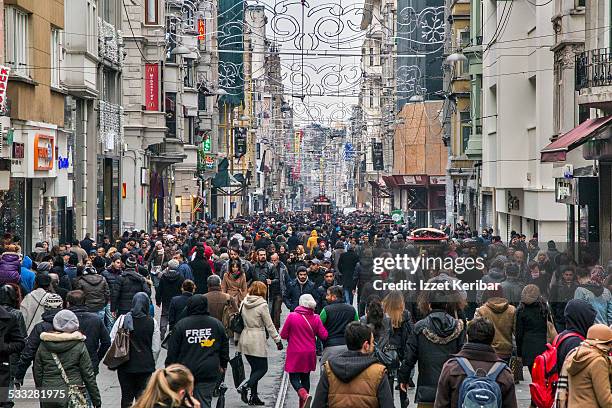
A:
(405, 180)
(557, 150)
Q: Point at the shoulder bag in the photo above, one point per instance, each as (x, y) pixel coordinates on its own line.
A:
(119, 351)
(76, 398)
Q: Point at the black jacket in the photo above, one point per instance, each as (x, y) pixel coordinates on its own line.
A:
(264, 271)
(97, 291)
(12, 340)
(560, 294)
(579, 316)
(399, 336)
(431, 343)
(201, 271)
(141, 347)
(112, 278)
(347, 264)
(129, 283)
(346, 366)
(530, 331)
(177, 306)
(321, 294)
(335, 317)
(295, 290)
(97, 338)
(199, 342)
(32, 342)
(169, 286)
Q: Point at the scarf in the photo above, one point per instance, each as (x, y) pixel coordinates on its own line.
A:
(140, 309)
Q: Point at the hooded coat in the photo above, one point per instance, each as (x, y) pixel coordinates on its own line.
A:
(97, 291)
(170, 285)
(600, 298)
(353, 379)
(501, 313)
(530, 332)
(27, 277)
(312, 242)
(579, 316)
(300, 329)
(72, 354)
(257, 320)
(199, 342)
(589, 377)
(432, 342)
(10, 266)
(129, 283)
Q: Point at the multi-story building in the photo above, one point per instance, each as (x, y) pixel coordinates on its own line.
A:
(39, 197)
(517, 120)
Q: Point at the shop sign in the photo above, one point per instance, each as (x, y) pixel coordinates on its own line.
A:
(152, 87)
(206, 144)
(201, 29)
(209, 162)
(18, 150)
(62, 163)
(4, 77)
(44, 148)
(565, 191)
(437, 180)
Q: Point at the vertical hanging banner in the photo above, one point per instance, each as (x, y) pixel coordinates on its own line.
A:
(240, 142)
(230, 26)
(152, 87)
(4, 76)
(201, 29)
(377, 156)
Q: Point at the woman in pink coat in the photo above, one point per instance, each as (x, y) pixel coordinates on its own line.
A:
(300, 329)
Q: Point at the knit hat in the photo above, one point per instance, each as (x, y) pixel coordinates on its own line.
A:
(98, 262)
(530, 294)
(52, 301)
(599, 333)
(173, 264)
(65, 321)
(43, 267)
(130, 262)
(308, 301)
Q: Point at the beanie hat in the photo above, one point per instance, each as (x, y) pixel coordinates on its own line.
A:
(173, 264)
(65, 321)
(43, 267)
(52, 301)
(530, 294)
(308, 301)
(599, 333)
(99, 262)
(130, 262)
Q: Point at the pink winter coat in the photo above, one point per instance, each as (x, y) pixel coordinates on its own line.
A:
(301, 350)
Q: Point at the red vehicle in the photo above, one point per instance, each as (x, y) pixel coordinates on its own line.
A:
(321, 205)
(428, 235)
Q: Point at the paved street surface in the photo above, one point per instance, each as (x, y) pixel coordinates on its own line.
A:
(268, 388)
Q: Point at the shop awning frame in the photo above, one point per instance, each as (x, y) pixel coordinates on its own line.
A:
(557, 150)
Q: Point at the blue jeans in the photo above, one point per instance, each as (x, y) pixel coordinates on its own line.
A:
(348, 296)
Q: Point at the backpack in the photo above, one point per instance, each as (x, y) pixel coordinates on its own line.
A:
(480, 391)
(544, 376)
(385, 352)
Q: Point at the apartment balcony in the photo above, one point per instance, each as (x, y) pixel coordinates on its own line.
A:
(110, 44)
(594, 78)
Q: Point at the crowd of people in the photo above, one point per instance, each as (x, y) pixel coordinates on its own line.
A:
(68, 308)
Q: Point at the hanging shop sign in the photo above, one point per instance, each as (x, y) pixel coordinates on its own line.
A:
(201, 29)
(18, 151)
(152, 87)
(209, 161)
(377, 156)
(44, 149)
(4, 77)
(62, 163)
(240, 141)
(565, 191)
(206, 144)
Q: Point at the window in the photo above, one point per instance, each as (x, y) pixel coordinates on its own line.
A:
(171, 36)
(55, 57)
(466, 129)
(371, 57)
(189, 130)
(171, 113)
(151, 12)
(201, 102)
(189, 73)
(16, 40)
(371, 98)
(189, 18)
(108, 86)
(464, 39)
(92, 28)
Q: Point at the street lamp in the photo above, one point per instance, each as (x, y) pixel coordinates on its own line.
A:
(456, 57)
(180, 50)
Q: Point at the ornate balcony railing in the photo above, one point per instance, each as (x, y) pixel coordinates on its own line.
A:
(594, 68)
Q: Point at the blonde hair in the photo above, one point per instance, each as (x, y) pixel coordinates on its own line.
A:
(393, 306)
(164, 386)
(258, 289)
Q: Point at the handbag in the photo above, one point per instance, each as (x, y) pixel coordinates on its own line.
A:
(237, 322)
(164, 343)
(76, 398)
(119, 351)
(516, 366)
(237, 369)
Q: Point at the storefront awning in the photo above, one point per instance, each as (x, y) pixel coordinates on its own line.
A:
(557, 150)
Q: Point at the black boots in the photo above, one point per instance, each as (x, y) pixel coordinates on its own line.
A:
(244, 392)
(254, 400)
